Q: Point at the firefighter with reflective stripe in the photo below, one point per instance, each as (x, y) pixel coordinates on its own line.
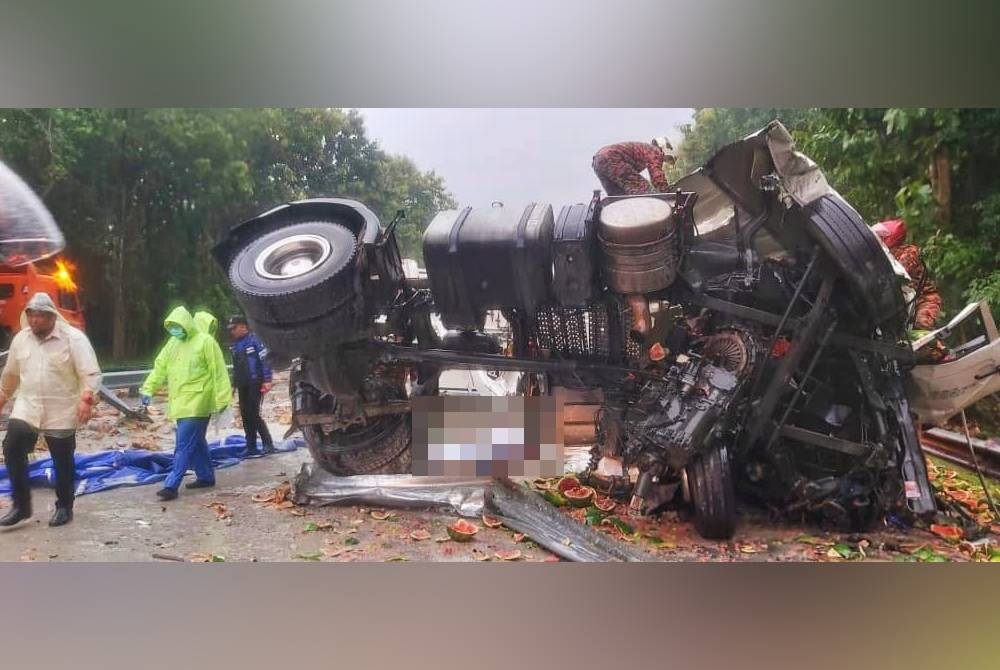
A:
(927, 305)
(620, 167)
(252, 379)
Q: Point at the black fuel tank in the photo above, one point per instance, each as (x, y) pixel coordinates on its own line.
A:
(489, 258)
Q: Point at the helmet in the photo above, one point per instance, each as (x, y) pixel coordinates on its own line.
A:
(664, 144)
(891, 232)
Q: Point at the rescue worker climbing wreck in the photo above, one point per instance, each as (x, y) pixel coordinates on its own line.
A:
(619, 167)
(927, 303)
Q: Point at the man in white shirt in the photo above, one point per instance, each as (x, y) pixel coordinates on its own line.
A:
(54, 370)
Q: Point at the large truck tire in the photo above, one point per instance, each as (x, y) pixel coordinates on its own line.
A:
(296, 273)
(859, 256)
(380, 447)
(710, 484)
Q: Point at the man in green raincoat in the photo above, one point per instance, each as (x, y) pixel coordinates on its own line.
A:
(206, 323)
(194, 370)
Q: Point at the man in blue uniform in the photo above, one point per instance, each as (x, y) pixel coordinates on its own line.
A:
(252, 379)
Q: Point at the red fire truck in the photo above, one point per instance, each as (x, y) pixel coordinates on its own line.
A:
(17, 284)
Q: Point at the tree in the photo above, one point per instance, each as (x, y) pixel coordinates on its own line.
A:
(713, 128)
(143, 194)
(937, 168)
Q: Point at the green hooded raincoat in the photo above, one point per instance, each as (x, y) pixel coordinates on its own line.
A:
(206, 323)
(193, 369)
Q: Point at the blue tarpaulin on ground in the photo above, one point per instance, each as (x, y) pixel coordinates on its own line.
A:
(133, 467)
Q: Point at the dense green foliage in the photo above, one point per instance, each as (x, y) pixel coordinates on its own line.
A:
(143, 194)
(937, 168)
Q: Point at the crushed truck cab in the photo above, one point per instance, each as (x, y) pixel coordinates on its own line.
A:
(744, 335)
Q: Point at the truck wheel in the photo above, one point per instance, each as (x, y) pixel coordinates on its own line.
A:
(857, 253)
(295, 273)
(710, 483)
(380, 447)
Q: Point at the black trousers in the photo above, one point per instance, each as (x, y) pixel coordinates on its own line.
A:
(250, 402)
(19, 442)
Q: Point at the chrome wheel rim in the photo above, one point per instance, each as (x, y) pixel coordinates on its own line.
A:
(293, 256)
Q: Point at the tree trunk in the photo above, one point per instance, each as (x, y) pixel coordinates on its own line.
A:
(940, 172)
(118, 283)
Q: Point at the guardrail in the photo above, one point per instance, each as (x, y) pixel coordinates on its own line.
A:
(130, 379)
(953, 447)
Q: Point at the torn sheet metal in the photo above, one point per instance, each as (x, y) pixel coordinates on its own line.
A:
(315, 486)
(108, 396)
(526, 512)
(520, 509)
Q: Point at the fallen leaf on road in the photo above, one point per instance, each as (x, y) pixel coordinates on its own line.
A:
(544, 484)
(266, 496)
(842, 550)
(969, 548)
(394, 559)
(623, 528)
(352, 540)
(442, 539)
(207, 558)
(221, 511)
(284, 504)
(282, 492)
(146, 442)
(747, 549)
(298, 511)
(664, 545)
(381, 515)
(311, 556)
(333, 553)
(925, 555)
(419, 535)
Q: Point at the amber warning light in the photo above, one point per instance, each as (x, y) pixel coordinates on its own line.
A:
(64, 275)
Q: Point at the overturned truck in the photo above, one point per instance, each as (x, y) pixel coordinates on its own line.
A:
(746, 330)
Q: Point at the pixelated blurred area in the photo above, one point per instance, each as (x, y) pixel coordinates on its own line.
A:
(488, 436)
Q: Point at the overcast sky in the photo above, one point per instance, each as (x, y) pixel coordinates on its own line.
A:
(516, 155)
